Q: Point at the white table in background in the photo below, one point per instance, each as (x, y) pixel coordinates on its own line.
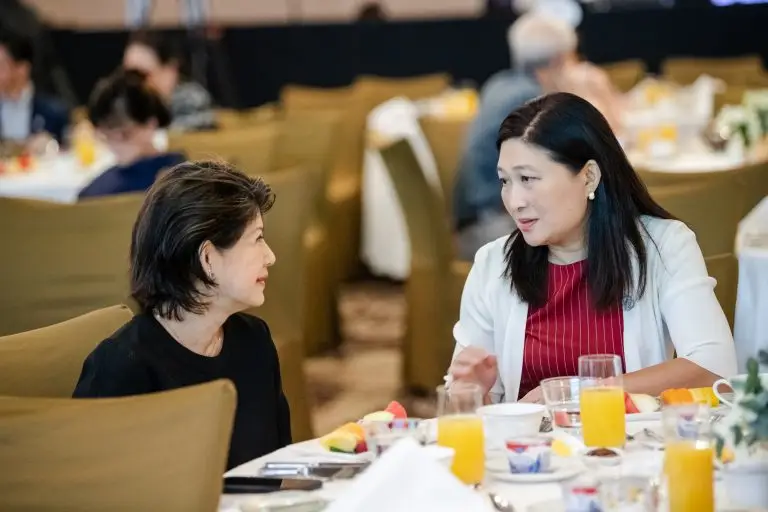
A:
(750, 330)
(59, 179)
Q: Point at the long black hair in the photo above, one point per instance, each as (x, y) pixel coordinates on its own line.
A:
(573, 132)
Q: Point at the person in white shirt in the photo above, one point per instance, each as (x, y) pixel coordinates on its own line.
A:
(594, 265)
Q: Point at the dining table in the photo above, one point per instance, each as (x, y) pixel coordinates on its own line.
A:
(637, 460)
(58, 178)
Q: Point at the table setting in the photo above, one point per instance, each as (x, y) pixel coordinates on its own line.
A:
(590, 446)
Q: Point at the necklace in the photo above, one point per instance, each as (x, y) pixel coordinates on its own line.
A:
(213, 349)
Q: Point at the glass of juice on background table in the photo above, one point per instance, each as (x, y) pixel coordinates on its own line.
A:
(601, 401)
(688, 458)
(459, 427)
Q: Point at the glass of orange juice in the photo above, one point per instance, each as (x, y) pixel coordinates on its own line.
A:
(459, 427)
(601, 399)
(688, 458)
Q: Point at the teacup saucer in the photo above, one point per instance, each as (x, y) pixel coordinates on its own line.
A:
(560, 470)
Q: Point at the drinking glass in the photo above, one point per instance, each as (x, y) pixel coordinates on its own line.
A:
(601, 399)
(561, 396)
(459, 427)
(688, 458)
(381, 435)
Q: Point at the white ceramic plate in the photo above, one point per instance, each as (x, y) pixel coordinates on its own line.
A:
(316, 451)
(656, 416)
(561, 470)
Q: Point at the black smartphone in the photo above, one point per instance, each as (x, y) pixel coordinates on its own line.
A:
(257, 485)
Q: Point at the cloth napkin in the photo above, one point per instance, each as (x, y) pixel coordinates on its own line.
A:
(406, 478)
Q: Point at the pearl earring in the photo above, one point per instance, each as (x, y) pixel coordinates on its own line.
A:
(591, 196)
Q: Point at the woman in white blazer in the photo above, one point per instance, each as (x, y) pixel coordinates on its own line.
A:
(594, 266)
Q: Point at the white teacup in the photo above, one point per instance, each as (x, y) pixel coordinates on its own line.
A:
(736, 383)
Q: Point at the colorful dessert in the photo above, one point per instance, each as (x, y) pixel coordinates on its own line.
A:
(350, 438)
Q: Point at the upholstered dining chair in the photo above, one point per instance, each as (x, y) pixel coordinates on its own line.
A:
(46, 362)
(308, 140)
(745, 70)
(712, 209)
(160, 451)
(433, 290)
(286, 293)
(446, 140)
(625, 74)
(59, 261)
(250, 148)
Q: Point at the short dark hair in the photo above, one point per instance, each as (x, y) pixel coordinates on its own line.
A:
(190, 204)
(573, 132)
(126, 95)
(18, 46)
(163, 46)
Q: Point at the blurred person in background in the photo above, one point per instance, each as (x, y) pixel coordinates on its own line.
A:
(127, 111)
(157, 57)
(199, 258)
(543, 51)
(24, 111)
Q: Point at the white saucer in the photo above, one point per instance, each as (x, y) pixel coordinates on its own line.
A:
(561, 470)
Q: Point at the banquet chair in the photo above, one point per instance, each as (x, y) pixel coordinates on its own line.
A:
(754, 181)
(433, 290)
(745, 70)
(625, 74)
(378, 89)
(249, 148)
(712, 209)
(284, 309)
(63, 260)
(308, 141)
(47, 362)
(731, 95)
(159, 451)
(446, 139)
(264, 113)
(342, 190)
(663, 178)
(294, 380)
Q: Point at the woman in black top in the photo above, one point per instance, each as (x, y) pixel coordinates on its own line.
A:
(198, 259)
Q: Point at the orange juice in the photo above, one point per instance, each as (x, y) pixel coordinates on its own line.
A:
(602, 416)
(464, 433)
(690, 476)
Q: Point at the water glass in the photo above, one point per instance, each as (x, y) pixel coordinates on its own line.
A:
(688, 458)
(459, 427)
(601, 398)
(561, 396)
(381, 435)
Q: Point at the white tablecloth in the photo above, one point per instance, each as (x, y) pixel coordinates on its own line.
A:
(59, 179)
(521, 496)
(385, 245)
(750, 331)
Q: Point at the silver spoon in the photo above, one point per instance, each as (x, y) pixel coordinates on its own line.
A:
(499, 503)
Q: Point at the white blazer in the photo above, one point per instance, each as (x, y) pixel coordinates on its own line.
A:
(678, 311)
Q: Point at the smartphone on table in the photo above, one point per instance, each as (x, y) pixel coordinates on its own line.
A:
(261, 485)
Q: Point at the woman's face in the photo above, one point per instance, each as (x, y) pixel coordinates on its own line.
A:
(129, 141)
(241, 271)
(163, 77)
(546, 199)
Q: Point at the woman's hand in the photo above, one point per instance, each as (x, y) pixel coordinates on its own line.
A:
(474, 364)
(534, 396)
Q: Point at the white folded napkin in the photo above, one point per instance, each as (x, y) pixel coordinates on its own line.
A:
(407, 478)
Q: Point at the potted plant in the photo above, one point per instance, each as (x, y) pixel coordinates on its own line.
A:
(742, 439)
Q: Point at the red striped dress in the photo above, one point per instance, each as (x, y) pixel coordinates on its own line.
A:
(566, 327)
